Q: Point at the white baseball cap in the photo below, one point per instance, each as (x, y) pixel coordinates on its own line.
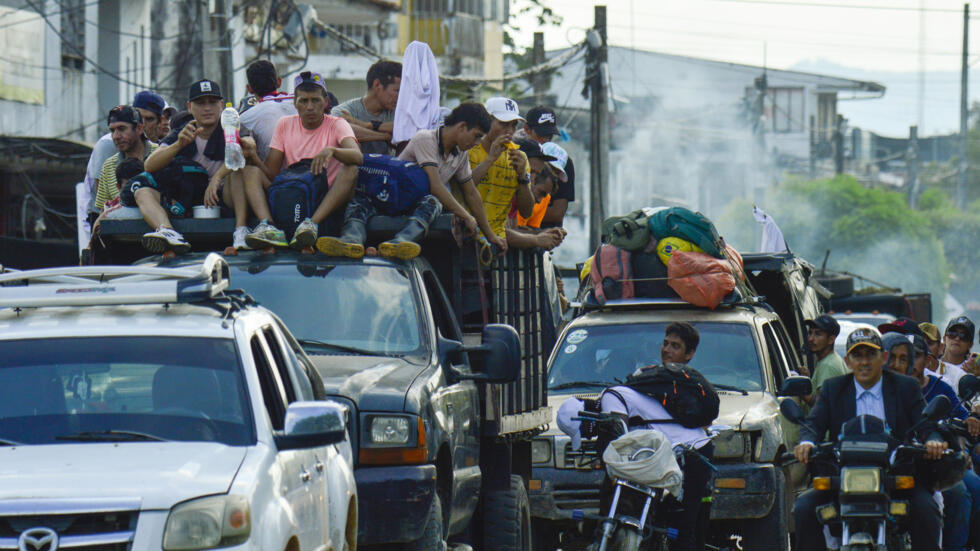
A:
(560, 155)
(503, 109)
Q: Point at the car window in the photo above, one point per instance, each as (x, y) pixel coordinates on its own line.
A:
(280, 362)
(444, 319)
(607, 354)
(273, 395)
(76, 389)
(295, 368)
(775, 351)
(792, 359)
(357, 307)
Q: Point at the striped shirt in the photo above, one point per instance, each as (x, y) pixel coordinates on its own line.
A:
(108, 189)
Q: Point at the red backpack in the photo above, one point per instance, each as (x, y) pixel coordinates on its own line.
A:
(612, 274)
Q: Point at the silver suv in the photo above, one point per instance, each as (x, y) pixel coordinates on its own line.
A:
(744, 350)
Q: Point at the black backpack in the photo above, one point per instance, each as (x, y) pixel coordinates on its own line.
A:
(684, 392)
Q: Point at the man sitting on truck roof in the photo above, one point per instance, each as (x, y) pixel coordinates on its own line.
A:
(546, 171)
(310, 134)
(441, 154)
(268, 104)
(126, 128)
(372, 116)
(196, 142)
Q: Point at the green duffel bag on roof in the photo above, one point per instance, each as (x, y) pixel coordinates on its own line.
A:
(630, 231)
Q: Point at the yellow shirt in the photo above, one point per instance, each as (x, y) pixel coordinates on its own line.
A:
(497, 188)
(108, 190)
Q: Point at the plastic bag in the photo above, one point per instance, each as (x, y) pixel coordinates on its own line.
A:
(657, 470)
(699, 278)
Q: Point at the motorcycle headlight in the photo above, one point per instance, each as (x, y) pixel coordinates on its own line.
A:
(732, 445)
(541, 450)
(207, 523)
(860, 480)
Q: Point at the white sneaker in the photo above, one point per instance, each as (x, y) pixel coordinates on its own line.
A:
(165, 239)
(305, 235)
(238, 239)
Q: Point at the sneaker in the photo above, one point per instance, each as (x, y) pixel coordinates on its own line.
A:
(331, 246)
(266, 235)
(238, 238)
(165, 239)
(405, 250)
(305, 235)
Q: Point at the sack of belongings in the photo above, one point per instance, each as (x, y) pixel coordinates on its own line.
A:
(650, 276)
(630, 231)
(612, 274)
(699, 278)
(690, 226)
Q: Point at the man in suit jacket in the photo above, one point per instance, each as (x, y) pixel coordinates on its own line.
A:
(868, 390)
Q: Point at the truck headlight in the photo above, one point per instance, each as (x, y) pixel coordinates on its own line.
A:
(541, 450)
(392, 440)
(731, 446)
(860, 480)
(208, 523)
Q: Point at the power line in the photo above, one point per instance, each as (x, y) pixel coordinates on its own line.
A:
(848, 6)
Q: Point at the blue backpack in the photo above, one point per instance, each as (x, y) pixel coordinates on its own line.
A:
(294, 195)
(393, 185)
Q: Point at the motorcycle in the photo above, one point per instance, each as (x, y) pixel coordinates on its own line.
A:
(643, 480)
(864, 469)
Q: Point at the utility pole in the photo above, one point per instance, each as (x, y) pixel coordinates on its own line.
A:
(912, 162)
(539, 80)
(839, 146)
(217, 51)
(813, 147)
(597, 80)
(964, 81)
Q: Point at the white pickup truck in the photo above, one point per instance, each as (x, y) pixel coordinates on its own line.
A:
(149, 408)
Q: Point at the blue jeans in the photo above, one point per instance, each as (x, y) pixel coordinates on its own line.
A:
(957, 503)
(361, 208)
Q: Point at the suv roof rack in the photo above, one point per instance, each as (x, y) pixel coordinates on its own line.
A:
(734, 299)
(102, 285)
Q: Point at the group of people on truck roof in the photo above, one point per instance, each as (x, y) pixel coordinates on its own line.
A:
(507, 186)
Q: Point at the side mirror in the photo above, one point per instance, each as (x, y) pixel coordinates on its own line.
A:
(937, 408)
(969, 385)
(312, 424)
(792, 412)
(498, 358)
(796, 386)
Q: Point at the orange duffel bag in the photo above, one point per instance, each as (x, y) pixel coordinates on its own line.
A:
(700, 278)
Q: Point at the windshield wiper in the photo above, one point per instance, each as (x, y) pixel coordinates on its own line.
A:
(731, 388)
(5, 442)
(341, 347)
(111, 436)
(579, 384)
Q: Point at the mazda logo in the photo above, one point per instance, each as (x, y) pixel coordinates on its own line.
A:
(38, 539)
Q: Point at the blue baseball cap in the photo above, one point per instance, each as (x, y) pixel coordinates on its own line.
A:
(150, 101)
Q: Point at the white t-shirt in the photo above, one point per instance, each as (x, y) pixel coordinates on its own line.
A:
(103, 149)
(645, 407)
(952, 373)
(262, 118)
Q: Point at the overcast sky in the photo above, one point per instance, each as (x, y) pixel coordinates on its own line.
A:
(887, 41)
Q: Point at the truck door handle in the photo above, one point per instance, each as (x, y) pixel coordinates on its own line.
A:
(318, 466)
(304, 475)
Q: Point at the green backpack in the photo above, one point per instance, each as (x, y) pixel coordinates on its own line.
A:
(690, 226)
(629, 231)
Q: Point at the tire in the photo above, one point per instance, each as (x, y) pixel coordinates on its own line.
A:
(507, 518)
(432, 539)
(757, 534)
(625, 539)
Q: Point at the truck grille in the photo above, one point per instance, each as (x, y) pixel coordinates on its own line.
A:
(583, 460)
(577, 498)
(81, 525)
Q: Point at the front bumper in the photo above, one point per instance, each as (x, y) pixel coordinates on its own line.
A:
(393, 502)
(565, 490)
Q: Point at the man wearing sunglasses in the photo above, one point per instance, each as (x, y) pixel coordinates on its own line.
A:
(957, 360)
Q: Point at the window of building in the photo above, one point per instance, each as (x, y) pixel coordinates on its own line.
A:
(72, 33)
(785, 109)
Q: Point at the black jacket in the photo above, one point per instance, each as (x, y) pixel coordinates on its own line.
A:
(215, 148)
(837, 403)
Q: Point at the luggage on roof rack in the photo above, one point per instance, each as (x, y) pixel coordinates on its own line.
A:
(101, 285)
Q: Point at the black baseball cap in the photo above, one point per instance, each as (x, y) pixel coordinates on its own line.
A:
(533, 150)
(863, 337)
(824, 322)
(124, 113)
(903, 325)
(964, 322)
(203, 89)
(542, 120)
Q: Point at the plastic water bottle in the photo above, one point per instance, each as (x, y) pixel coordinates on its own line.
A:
(234, 158)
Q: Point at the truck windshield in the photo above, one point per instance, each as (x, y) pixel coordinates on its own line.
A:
(357, 308)
(607, 354)
(121, 389)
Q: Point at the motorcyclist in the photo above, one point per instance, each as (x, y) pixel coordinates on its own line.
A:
(868, 390)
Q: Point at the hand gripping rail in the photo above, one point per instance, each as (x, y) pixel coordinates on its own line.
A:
(101, 285)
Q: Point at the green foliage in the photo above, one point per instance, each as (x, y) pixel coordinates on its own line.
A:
(871, 232)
